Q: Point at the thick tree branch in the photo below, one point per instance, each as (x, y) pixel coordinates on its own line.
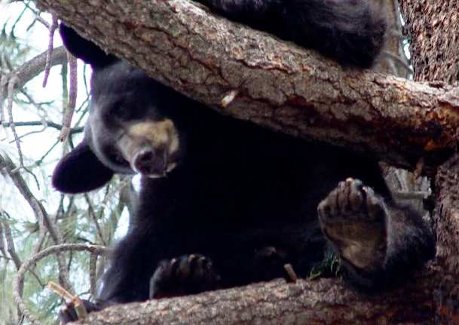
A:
(276, 84)
(325, 301)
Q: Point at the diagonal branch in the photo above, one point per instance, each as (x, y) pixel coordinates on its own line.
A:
(37, 65)
(40, 213)
(275, 84)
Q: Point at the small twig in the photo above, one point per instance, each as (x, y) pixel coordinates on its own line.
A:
(69, 298)
(44, 124)
(68, 114)
(61, 292)
(11, 248)
(43, 129)
(57, 249)
(7, 235)
(40, 161)
(411, 195)
(31, 69)
(52, 30)
(39, 211)
(11, 85)
(9, 108)
(93, 216)
(291, 273)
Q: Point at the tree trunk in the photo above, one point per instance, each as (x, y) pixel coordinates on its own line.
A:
(434, 29)
(446, 218)
(275, 84)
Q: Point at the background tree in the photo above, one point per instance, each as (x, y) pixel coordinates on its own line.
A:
(33, 216)
(156, 37)
(433, 27)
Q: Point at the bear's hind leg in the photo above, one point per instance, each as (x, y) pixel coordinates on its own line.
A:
(379, 243)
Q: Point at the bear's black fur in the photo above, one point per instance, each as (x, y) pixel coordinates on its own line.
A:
(349, 31)
(224, 202)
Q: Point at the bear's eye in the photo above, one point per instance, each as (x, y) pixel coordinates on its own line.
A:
(119, 109)
(123, 110)
(114, 156)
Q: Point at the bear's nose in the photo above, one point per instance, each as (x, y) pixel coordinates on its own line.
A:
(151, 162)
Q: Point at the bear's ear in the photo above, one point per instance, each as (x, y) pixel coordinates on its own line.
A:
(80, 171)
(83, 49)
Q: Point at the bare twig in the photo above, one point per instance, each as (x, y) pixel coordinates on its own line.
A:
(35, 66)
(52, 30)
(61, 292)
(39, 211)
(14, 256)
(40, 160)
(72, 299)
(411, 195)
(58, 249)
(291, 273)
(37, 14)
(10, 244)
(45, 124)
(73, 82)
(17, 79)
(9, 108)
(93, 216)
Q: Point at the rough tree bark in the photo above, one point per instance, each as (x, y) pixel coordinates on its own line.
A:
(325, 301)
(446, 218)
(277, 84)
(434, 30)
(289, 89)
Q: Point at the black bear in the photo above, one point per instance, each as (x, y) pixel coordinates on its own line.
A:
(224, 202)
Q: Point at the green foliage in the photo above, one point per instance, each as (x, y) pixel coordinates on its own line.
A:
(329, 267)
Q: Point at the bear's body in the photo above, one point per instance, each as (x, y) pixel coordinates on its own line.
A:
(242, 197)
(237, 188)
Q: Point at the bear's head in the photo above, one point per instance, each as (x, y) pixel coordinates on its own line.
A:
(132, 124)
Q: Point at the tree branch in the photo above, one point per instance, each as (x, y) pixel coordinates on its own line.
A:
(28, 264)
(277, 84)
(37, 65)
(45, 124)
(40, 214)
(325, 301)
